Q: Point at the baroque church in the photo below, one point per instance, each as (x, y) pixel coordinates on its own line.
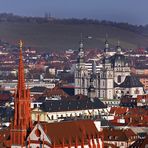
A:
(111, 79)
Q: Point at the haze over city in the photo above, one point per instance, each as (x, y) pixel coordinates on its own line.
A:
(133, 11)
(73, 74)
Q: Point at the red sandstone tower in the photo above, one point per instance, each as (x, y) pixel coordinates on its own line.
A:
(22, 112)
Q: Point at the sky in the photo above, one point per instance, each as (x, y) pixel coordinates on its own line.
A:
(131, 11)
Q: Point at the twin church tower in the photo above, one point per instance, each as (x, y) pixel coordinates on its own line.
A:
(100, 80)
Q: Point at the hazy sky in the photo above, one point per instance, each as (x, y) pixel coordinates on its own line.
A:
(132, 11)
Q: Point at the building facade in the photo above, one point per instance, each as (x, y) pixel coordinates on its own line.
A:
(110, 79)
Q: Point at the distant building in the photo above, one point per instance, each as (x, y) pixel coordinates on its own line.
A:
(76, 107)
(119, 138)
(110, 81)
(83, 133)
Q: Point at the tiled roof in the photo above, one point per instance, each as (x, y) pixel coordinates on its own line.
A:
(131, 81)
(140, 143)
(65, 131)
(108, 145)
(118, 134)
(71, 104)
(4, 135)
(38, 89)
(138, 111)
(68, 90)
(56, 91)
(140, 97)
(118, 110)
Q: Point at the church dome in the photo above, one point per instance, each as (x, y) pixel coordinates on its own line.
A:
(118, 60)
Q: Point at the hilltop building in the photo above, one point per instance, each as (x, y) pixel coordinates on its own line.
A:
(110, 81)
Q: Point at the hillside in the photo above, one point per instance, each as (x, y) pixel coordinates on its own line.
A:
(65, 36)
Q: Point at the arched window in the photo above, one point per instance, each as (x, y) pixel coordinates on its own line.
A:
(136, 91)
(119, 79)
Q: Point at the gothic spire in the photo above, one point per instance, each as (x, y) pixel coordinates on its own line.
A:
(21, 79)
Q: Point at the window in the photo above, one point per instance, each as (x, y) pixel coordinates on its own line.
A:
(119, 79)
(136, 91)
(103, 83)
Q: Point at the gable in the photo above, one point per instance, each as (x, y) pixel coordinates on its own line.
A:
(38, 134)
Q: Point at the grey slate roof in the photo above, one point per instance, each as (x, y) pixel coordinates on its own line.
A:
(131, 81)
(115, 84)
(69, 91)
(71, 105)
(38, 89)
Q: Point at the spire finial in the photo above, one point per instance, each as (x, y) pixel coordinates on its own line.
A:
(21, 44)
(106, 43)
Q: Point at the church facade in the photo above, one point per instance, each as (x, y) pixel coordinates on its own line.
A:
(109, 80)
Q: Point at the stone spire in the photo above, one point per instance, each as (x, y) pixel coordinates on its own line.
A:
(105, 55)
(106, 44)
(81, 52)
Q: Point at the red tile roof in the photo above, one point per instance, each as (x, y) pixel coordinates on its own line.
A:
(4, 135)
(118, 110)
(71, 130)
(118, 135)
